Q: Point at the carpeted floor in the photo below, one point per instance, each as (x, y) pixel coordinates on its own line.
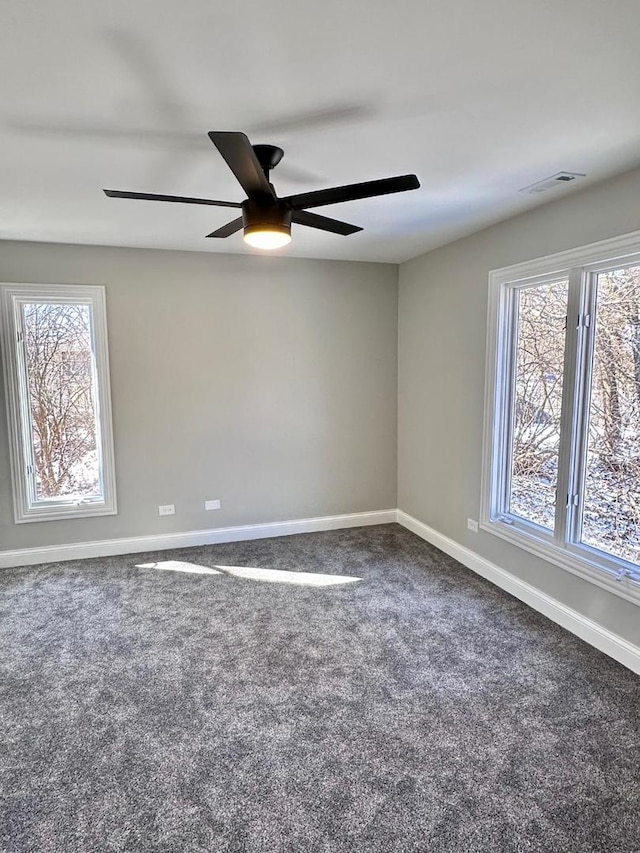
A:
(419, 709)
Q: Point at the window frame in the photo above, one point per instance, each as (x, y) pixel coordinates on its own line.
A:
(26, 509)
(561, 546)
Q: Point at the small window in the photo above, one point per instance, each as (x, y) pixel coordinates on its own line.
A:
(561, 469)
(54, 345)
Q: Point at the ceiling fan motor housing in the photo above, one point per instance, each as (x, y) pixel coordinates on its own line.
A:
(265, 214)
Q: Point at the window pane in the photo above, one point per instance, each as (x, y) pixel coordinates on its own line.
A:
(611, 502)
(61, 400)
(541, 315)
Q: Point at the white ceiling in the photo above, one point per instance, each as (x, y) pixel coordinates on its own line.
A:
(478, 99)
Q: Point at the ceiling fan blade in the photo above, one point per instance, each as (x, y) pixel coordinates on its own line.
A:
(228, 229)
(241, 159)
(323, 223)
(179, 198)
(351, 192)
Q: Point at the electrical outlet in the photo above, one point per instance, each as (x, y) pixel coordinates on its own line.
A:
(212, 505)
(472, 524)
(167, 509)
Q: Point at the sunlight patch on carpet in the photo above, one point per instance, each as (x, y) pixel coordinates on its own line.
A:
(252, 574)
(278, 576)
(179, 566)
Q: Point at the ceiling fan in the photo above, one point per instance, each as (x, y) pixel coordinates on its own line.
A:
(266, 219)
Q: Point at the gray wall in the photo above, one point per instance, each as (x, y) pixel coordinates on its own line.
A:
(269, 383)
(442, 339)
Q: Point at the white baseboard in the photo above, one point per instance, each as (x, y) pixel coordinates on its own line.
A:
(591, 632)
(160, 542)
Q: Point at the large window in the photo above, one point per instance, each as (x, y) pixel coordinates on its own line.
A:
(561, 471)
(54, 349)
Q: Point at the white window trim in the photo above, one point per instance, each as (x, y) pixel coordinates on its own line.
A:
(587, 563)
(11, 294)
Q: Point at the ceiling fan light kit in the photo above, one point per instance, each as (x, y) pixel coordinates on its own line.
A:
(266, 219)
(266, 224)
(267, 237)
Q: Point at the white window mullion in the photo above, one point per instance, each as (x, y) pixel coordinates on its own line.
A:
(579, 425)
(567, 493)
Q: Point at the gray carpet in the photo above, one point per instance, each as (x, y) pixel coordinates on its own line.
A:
(419, 709)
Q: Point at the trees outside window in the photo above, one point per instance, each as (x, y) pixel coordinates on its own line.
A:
(540, 337)
(611, 512)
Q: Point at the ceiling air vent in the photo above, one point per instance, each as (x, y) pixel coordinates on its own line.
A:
(556, 180)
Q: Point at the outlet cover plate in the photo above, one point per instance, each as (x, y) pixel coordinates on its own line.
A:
(208, 505)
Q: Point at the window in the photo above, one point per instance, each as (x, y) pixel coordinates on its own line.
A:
(561, 469)
(54, 348)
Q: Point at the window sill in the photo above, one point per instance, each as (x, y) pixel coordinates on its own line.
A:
(64, 512)
(576, 563)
